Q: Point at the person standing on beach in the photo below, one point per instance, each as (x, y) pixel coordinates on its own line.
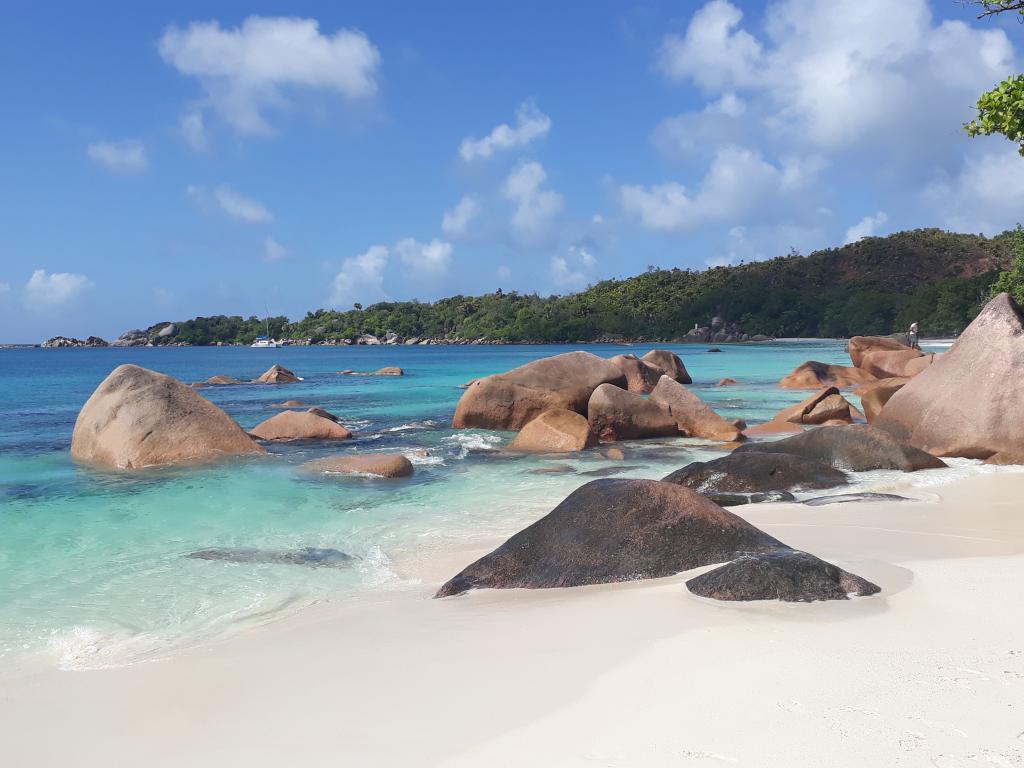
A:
(912, 335)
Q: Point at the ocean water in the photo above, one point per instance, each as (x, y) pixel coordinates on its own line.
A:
(93, 565)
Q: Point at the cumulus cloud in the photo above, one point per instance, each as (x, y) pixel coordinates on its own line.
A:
(429, 259)
(838, 73)
(55, 289)
(738, 181)
(127, 156)
(193, 130)
(361, 277)
(536, 208)
(574, 269)
(456, 221)
(238, 207)
(866, 227)
(984, 195)
(273, 250)
(249, 70)
(531, 124)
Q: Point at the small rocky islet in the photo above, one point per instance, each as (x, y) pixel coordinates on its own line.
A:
(617, 530)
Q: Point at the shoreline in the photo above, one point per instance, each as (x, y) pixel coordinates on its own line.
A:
(622, 674)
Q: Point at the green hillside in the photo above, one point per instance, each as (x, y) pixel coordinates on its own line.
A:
(877, 285)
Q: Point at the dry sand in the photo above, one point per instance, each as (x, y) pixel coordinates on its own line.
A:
(929, 673)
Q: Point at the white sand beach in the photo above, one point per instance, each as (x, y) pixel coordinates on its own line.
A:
(928, 673)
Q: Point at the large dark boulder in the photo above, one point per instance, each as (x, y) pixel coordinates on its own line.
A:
(787, 575)
(140, 418)
(511, 400)
(755, 475)
(615, 530)
(856, 448)
(968, 402)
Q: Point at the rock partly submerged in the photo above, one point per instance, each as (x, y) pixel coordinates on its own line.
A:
(278, 374)
(855, 448)
(787, 575)
(509, 401)
(299, 425)
(693, 417)
(311, 557)
(754, 477)
(139, 418)
(968, 402)
(390, 465)
(615, 530)
(815, 375)
(615, 414)
(555, 431)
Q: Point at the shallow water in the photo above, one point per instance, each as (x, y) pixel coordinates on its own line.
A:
(93, 566)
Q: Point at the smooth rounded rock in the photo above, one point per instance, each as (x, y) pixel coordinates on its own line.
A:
(139, 418)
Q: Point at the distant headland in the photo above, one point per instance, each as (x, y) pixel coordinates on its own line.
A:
(874, 286)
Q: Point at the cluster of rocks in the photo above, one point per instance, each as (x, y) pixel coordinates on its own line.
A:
(66, 341)
(393, 339)
(719, 332)
(622, 530)
(877, 360)
(138, 418)
(578, 398)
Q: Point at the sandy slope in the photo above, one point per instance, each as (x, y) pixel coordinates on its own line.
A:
(930, 673)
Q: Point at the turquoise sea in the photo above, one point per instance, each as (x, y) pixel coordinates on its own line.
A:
(93, 566)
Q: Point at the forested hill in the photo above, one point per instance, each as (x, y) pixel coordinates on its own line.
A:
(877, 285)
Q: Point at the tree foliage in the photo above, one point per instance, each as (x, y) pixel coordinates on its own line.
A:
(877, 285)
(1001, 110)
(1012, 281)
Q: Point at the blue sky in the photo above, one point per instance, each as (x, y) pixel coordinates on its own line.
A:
(166, 160)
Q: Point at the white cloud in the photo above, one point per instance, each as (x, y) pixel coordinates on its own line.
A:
(54, 289)
(504, 273)
(427, 259)
(5, 288)
(737, 182)
(575, 269)
(193, 131)
(835, 74)
(866, 227)
(984, 195)
(247, 71)
(456, 221)
(273, 250)
(237, 206)
(536, 207)
(531, 124)
(361, 277)
(713, 52)
(127, 156)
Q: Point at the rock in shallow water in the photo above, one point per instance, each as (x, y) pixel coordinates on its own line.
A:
(140, 418)
(788, 575)
(615, 530)
(312, 557)
(379, 464)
